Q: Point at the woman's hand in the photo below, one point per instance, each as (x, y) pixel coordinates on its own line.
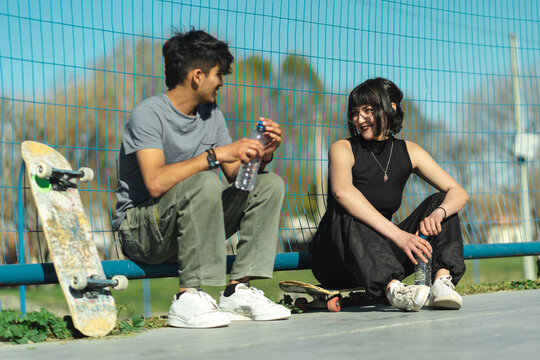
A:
(412, 244)
(431, 225)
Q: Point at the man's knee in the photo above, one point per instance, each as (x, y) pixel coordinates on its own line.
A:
(207, 180)
(203, 184)
(270, 183)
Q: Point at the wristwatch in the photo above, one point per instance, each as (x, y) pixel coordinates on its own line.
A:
(211, 157)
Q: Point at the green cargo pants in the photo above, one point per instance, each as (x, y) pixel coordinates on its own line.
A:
(191, 222)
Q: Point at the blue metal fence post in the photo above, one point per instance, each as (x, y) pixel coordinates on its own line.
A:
(20, 233)
(476, 271)
(146, 298)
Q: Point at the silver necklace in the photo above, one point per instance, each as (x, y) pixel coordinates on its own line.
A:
(385, 177)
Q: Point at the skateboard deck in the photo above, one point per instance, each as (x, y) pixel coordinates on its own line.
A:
(331, 299)
(68, 233)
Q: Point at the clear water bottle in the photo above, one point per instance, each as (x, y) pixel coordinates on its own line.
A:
(245, 180)
(422, 270)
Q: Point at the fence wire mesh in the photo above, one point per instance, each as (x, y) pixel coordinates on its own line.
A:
(71, 72)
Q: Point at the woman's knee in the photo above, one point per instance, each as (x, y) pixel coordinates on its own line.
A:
(437, 198)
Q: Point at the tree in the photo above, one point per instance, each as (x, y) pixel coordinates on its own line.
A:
(485, 151)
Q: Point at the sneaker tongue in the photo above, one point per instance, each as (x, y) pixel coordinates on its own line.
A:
(393, 286)
(446, 278)
(241, 286)
(192, 291)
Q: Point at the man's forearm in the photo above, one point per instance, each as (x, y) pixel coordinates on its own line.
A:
(163, 178)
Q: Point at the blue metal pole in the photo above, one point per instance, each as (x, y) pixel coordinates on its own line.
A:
(20, 231)
(146, 298)
(484, 251)
(477, 274)
(27, 274)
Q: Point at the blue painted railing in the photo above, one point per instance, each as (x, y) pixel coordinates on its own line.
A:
(44, 273)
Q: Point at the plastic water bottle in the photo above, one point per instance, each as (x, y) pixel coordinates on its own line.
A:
(422, 270)
(245, 180)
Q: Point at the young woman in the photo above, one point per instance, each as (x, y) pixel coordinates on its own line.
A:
(356, 243)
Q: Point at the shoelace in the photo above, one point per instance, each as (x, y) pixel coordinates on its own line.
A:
(404, 290)
(259, 296)
(401, 293)
(447, 280)
(208, 298)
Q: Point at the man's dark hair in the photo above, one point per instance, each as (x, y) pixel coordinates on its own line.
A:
(379, 93)
(195, 49)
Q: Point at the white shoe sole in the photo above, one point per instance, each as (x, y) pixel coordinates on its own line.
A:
(447, 302)
(276, 316)
(236, 316)
(241, 316)
(198, 323)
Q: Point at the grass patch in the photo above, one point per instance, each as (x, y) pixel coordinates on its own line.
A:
(35, 326)
(500, 286)
(39, 326)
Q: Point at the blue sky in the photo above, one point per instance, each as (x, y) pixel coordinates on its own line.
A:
(436, 51)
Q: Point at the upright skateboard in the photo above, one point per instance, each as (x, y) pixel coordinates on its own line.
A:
(331, 299)
(68, 234)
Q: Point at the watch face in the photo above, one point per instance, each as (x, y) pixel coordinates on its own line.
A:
(212, 161)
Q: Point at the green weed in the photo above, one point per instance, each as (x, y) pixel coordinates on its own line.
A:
(288, 302)
(499, 286)
(35, 326)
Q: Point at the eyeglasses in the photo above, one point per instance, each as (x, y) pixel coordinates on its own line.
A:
(365, 112)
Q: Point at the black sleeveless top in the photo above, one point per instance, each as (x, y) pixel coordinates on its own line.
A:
(368, 177)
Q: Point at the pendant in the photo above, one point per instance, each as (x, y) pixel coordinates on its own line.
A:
(385, 177)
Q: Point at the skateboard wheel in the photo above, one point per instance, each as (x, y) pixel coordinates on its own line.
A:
(301, 303)
(44, 170)
(121, 282)
(334, 304)
(78, 282)
(88, 174)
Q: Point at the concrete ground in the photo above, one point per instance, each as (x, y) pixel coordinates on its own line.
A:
(489, 326)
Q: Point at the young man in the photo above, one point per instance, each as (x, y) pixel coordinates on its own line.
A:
(173, 207)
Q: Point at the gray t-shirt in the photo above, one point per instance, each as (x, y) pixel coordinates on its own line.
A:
(157, 124)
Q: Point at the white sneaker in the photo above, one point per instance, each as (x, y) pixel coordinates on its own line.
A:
(407, 297)
(443, 294)
(196, 309)
(249, 303)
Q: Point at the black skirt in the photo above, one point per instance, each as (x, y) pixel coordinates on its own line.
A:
(347, 253)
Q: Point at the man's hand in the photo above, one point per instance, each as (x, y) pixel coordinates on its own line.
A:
(247, 149)
(244, 150)
(273, 133)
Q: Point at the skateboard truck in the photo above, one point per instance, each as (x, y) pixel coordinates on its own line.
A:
(81, 282)
(331, 299)
(333, 303)
(60, 179)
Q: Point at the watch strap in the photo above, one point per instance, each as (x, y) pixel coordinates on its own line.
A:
(212, 160)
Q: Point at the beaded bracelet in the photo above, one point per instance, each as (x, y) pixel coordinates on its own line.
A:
(440, 207)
